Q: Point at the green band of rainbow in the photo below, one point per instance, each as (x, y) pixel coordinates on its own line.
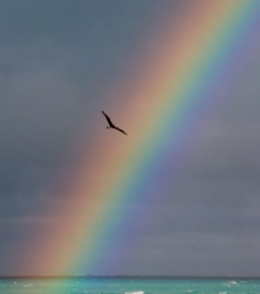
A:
(186, 60)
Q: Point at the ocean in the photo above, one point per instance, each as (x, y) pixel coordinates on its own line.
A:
(129, 286)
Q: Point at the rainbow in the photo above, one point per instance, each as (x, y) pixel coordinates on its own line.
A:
(187, 59)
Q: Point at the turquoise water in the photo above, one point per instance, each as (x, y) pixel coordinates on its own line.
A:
(128, 286)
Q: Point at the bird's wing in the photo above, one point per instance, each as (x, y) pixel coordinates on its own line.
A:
(108, 119)
(120, 130)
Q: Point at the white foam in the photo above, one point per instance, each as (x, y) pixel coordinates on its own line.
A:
(231, 283)
(136, 292)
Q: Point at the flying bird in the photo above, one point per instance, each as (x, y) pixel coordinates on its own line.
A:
(111, 125)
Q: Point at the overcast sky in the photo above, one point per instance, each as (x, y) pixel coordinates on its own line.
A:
(58, 58)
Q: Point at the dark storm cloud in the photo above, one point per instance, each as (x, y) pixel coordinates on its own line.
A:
(208, 254)
(58, 59)
(27, 200)
(66, 19)
(54, 57)
(206, 215)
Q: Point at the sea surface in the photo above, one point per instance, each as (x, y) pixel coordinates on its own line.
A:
(129, 286)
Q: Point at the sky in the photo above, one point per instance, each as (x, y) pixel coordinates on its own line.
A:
(59, 63)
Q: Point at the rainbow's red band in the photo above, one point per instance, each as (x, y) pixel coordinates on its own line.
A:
(182, 60)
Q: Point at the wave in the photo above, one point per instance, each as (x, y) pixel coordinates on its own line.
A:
(136, 292)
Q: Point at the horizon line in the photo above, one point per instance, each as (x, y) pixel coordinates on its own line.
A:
(168, 277)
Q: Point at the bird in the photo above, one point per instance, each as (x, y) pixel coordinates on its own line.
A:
(111, 125)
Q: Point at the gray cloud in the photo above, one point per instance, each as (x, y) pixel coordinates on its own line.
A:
(54, 56)
(58, 60)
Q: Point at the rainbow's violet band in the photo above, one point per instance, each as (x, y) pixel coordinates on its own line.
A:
(174, 83)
